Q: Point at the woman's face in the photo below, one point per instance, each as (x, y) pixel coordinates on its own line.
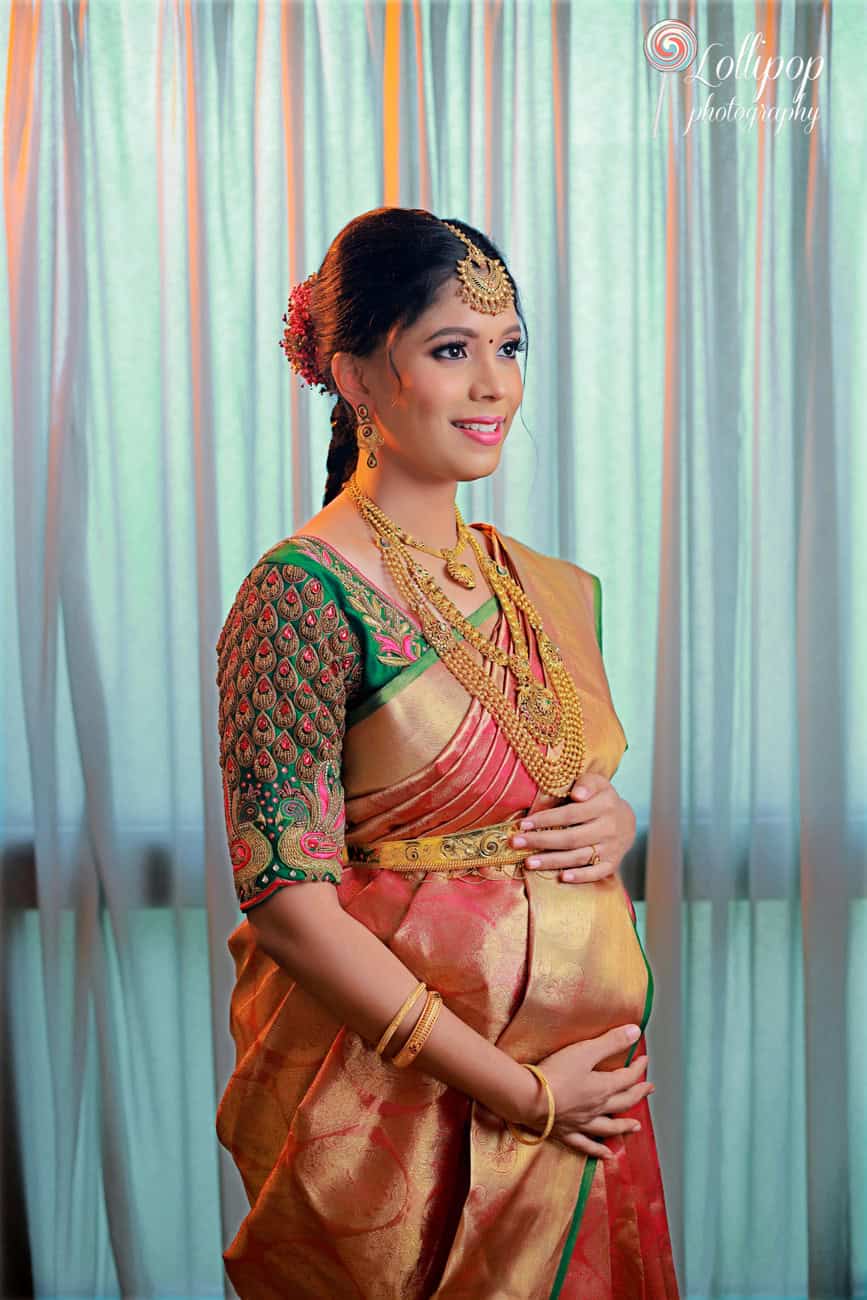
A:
(455, 364)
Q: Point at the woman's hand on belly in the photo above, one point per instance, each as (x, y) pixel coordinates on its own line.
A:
(565, 837)
(588, 1101)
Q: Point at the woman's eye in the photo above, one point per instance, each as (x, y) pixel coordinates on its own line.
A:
(517, 345)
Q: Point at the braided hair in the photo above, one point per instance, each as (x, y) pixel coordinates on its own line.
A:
(342, 450)
(380, 273)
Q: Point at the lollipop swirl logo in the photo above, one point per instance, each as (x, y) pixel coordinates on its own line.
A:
(669, 46)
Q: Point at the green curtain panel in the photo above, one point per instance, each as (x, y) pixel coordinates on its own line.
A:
(693, 431)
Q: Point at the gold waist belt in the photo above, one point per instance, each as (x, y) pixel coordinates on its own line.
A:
(472, 850)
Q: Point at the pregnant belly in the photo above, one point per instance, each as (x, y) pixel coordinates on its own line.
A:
(532, 962)
(587, 968)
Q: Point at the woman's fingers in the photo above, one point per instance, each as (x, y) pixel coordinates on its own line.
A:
(625, 1075)
(562, 837)
(585, 874)
(630, 1097)
(578, 1142)
(601, 1126)
(606, 1126)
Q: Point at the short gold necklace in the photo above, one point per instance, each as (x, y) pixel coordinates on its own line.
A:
(537, 715)
(461, 573)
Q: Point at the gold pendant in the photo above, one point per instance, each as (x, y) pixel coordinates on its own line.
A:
(461, 573)
(540, 710)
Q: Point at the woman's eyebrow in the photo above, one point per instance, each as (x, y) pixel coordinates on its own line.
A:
(462, 329)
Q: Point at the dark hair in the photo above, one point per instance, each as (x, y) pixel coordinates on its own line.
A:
(381, 272)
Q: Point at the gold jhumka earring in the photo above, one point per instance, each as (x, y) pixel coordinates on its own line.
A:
(368, 436)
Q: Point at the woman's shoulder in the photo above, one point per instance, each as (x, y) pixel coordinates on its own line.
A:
(555, 566)
(562, 576)
(292, 560)
(291, 578)
(303, 551)
(287, 621)
(328, 542)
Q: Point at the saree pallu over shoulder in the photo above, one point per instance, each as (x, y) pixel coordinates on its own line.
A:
(365, 1180)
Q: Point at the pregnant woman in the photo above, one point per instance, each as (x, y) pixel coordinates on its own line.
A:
(440, 991)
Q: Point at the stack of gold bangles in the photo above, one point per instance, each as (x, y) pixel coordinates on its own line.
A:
(418, 1038)
(423, 1026)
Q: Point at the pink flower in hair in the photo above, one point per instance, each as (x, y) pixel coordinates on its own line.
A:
(299, 336)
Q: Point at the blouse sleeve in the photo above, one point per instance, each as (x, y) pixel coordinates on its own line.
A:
(287, 660)
(597, 608)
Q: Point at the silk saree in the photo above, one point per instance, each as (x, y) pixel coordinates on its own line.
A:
(341, 730)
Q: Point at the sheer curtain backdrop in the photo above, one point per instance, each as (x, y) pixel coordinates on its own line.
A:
(692, 430)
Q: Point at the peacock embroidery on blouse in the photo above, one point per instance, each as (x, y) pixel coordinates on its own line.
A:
(307, 823)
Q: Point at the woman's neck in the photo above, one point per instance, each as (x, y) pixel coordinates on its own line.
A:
(424, 508)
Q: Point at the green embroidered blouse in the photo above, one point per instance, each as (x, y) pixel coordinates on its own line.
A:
(309, 644)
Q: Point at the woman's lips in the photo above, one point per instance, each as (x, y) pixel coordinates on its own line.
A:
(488, 438)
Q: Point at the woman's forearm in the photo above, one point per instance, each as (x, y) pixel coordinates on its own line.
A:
(342, 963)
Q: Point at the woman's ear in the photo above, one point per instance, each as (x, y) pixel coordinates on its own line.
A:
(348, 375)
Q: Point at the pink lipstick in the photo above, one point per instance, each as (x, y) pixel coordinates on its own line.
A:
(489, 437)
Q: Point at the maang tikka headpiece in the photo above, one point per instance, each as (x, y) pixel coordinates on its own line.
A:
(484, 286)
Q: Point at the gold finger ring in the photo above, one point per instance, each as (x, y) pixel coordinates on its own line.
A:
(594, 857)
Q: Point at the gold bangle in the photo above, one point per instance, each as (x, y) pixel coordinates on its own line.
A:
(540, 1137)
(409, 1002)
(419, 1035)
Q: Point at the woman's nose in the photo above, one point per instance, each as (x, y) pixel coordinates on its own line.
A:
(488, 381)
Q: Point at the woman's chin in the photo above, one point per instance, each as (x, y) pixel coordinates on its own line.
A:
(469, 474)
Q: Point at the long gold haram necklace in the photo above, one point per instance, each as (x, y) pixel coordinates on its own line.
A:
(538, 716)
